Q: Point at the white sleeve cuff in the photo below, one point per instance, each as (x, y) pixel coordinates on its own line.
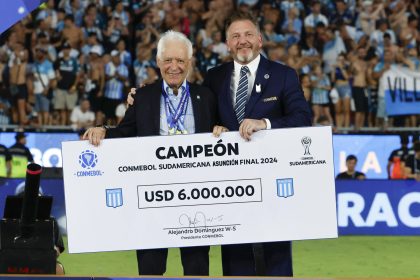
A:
(267, 121)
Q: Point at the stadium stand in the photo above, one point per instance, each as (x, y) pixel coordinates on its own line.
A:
(67, 51)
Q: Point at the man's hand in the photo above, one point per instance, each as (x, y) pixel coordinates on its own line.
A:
(249, 126)
(130, 96)
(94, 135)
(217, 130)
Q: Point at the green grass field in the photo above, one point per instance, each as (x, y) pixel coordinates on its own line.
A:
(347, 256)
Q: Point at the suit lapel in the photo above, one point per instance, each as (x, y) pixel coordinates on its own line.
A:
(155, 107)
(196, 101)
(261, 80)
(225, 97)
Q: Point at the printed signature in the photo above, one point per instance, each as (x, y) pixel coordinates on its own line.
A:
(198, 219)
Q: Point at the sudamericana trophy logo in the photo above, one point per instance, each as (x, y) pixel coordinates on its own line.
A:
(88, 160)
(308, 158)
(306, 142)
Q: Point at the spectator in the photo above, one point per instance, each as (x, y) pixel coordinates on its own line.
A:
(207, 59)
(61, 15)
(21, 156)
(91, 42)
(194, 76)
(359, 66)
(309, 50)
(413, 56)
(204, 36)
(81, 116)
(377, 36)
(278, 54)
(292, 27)
(315, 17)
(120, 13)
(287, 5)
(125, 56)
(351, 173)
(95, 82)
(65, 95)
(98, 18)
(144, 70)
(341, 15)
(44, 81)
(341, 79)
(373, 120)
(395, 166)
(49, 14)
(296, 61)
(410, 34)
(270, 37)
(42, 29)
(114, 32)
(412, 163)
(5, 162)
(388, 46)
(379, 69)
(321, 87)
(370, 13)
(4, 92)
(90, 29)
(306, 87)
(72, 33)
(218, 46)
(5, 108)
(18, 70)
(76, 9)
(116, 77)
(44, 41)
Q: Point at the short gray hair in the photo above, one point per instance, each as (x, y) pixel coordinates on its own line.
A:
(169, 36)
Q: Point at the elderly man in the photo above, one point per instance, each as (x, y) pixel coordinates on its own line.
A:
(167, 107)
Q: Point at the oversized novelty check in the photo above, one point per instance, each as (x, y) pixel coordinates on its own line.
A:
(191, 190)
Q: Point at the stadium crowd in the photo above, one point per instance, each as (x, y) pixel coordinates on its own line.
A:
(71, 62)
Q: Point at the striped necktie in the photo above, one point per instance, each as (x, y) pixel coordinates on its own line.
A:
(241, 94)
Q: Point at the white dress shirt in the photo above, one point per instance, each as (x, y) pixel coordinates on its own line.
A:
(253, 67)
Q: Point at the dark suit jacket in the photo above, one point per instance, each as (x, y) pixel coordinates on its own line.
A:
(280, 100)
(143, 118)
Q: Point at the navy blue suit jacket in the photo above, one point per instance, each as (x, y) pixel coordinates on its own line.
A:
(280, 99)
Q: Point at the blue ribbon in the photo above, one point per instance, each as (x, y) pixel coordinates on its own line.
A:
(176, 117)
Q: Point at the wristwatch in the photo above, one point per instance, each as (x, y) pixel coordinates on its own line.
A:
(106, 127)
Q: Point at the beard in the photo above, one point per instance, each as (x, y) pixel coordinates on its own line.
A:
(245, 58)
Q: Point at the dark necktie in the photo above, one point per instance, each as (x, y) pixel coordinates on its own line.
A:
(241, 94)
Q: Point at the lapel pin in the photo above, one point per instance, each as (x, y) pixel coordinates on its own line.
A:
(258, 88)
(266, 76)
(198, 96)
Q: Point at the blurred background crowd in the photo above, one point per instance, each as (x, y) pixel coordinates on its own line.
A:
(71, 63)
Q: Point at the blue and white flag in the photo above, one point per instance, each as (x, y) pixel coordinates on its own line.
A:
(14, 10)
(401, 89)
